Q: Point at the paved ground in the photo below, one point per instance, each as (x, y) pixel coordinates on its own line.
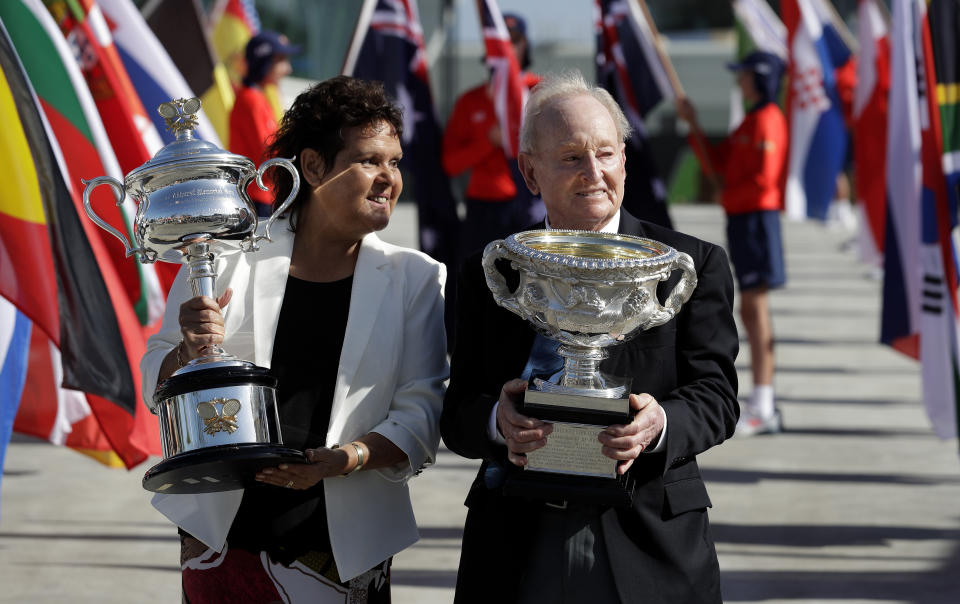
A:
(856, 502)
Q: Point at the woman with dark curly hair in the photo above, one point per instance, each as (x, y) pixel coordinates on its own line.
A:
(352, 327)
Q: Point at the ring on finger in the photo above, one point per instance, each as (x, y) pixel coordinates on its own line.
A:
(289, 484)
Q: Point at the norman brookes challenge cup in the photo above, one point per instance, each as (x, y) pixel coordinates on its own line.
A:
(218, 415)
(588, 291)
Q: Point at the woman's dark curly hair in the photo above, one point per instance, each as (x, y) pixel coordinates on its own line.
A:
(317, 120)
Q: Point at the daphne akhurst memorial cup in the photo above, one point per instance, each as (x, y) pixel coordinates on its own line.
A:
(587, 291)
(218, 415)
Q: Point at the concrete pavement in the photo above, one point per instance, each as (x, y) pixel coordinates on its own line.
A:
(856, 502)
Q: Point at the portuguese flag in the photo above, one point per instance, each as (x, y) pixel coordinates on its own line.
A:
(82, 383)
(131, 134)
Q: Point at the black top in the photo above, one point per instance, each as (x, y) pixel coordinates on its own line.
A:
(306, 353)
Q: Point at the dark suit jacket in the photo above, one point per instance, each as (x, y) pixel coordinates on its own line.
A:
(660, 548)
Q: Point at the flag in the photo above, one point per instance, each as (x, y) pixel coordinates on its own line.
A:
(944, 31)
(72, 112)
(153, 75)
(818, 138)
(179, 25)
(762, 26)
(900, 314)
(388, 47)
(133, 137)
(870, 126)
(235, 22)
(55, 268)
(939, 310)
(509, 91)
(14, 348)
(630, 69)
(919, 314)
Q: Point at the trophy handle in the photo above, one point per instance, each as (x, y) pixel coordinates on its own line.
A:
(287, 164)
(494, 251)
(680, 294)
(143, 254)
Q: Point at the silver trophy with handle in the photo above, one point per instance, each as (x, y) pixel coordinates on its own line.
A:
(588, 291)
(218, 414)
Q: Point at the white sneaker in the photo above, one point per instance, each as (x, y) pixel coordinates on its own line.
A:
(751, 425)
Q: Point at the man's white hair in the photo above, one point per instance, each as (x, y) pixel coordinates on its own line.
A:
(555, 87)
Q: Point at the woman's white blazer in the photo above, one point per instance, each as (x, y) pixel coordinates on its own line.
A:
(390, 380)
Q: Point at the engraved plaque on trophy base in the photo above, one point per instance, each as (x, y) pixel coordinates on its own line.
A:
(572, 466)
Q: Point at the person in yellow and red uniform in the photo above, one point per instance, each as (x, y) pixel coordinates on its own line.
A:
(752, 165)
(252, 119)
(472, 141)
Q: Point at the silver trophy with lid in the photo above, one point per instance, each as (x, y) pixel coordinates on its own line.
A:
(218, 414)
(589, 292)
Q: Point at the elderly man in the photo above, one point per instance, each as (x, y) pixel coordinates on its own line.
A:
(659, 548)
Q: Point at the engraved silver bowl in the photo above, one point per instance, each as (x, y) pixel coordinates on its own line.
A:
(588, 291)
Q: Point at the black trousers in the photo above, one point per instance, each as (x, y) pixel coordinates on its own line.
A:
(568, 562)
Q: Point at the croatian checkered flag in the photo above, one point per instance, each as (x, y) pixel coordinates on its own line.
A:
(509, 92)
(818, 136)
(388, 47)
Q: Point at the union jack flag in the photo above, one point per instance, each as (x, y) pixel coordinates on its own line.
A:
(509, 91)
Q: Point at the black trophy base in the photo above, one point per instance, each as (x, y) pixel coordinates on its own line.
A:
(578, 419)
(557, 488)
(220, 468)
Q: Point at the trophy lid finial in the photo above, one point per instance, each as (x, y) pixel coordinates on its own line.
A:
(180, 114)
(189, 153)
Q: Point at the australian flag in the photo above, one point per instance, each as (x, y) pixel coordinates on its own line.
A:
(509, 91)
(629, 68)
(388, 47)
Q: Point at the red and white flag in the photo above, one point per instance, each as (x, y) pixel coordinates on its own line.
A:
(919, 315)
(509, 91)
(132, 137)
(870, 127)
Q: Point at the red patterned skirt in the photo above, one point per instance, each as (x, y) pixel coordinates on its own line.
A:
(242, 575)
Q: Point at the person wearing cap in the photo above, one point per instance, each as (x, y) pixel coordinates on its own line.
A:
(252, 119)
(752, 165)
(472, 142)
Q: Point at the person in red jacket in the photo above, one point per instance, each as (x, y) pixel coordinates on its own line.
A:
(751, 163)
(252, 119)
(472, 141)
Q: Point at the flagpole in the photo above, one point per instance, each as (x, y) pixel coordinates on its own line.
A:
(359, 33)
(700, 140)
(882, 7)
(842, 29)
